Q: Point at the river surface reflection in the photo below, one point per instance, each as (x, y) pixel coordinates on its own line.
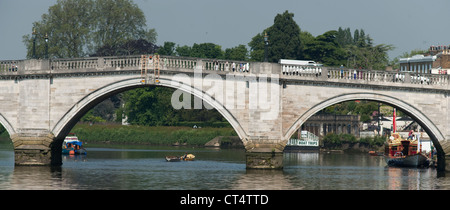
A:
(144, 168)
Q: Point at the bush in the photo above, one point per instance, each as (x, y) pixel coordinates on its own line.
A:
(332, 139)
(134, 134)
(336, 140)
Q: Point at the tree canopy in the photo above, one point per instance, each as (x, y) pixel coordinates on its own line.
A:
(77, 28)
(325, 49)
(332, 48)
(360, 50)
(284, 39)
(131, 47)
(204, 50)
(151, 106)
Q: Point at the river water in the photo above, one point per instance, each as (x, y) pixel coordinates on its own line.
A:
(144, 168)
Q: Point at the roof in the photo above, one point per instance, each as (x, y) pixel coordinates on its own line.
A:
(418, 58)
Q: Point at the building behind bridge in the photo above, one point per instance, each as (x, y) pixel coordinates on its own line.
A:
(436, 61)
(321, 124)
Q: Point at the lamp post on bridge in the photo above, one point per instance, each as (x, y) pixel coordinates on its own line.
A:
(46, 45)
(35, 35)
(266, 44)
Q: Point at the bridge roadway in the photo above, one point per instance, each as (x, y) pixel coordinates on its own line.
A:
(41, 100)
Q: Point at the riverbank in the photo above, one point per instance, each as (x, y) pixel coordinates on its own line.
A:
(160, 135)
(352, 148)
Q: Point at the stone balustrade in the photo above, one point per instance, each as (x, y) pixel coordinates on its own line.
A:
(186, 63)
(9, 66)
(365, 75)
(80, 63)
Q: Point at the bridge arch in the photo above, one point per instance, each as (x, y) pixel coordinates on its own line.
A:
(433, 131)
(5, 123)
(72, 116)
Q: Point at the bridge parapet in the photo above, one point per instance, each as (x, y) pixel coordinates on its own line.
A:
(172, 63)
(9, 66)
(120, 63)
(23, 66)
(348, 75)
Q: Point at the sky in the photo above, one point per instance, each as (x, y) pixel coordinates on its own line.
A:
(405, 24)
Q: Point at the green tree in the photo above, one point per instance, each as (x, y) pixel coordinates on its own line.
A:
(363, 108)
(237, 53)
(305, 39)
(203, 50)
(257, 47)
(91, 117)
(325, 49)
(360, 50)
(149, 106)
(118, 21)
(368, 56)
(76, 28)
(356, 36)
(206, 50)
(152, 106)
(68, 25)
(284, 40)
(344, 37)
(167, 49)
(183, 51)
(131, 47)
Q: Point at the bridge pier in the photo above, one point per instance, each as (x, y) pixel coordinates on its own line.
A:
(264, 160)
(36, 149)
(264, 155)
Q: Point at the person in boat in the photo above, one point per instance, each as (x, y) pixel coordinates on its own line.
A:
(391, 138)
(410, 135)
(184, 156)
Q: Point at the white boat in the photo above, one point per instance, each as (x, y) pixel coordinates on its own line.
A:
(73, 146)
(306, 142)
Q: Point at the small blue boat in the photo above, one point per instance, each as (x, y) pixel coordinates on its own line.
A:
(73, 146)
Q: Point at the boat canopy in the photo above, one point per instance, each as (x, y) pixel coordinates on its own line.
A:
(79, 143)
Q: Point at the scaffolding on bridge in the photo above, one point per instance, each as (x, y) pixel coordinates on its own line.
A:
(146, 63)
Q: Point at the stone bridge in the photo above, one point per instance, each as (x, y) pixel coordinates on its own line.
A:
(41, 100)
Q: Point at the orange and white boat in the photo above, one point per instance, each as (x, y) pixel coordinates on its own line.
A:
(404, 153)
